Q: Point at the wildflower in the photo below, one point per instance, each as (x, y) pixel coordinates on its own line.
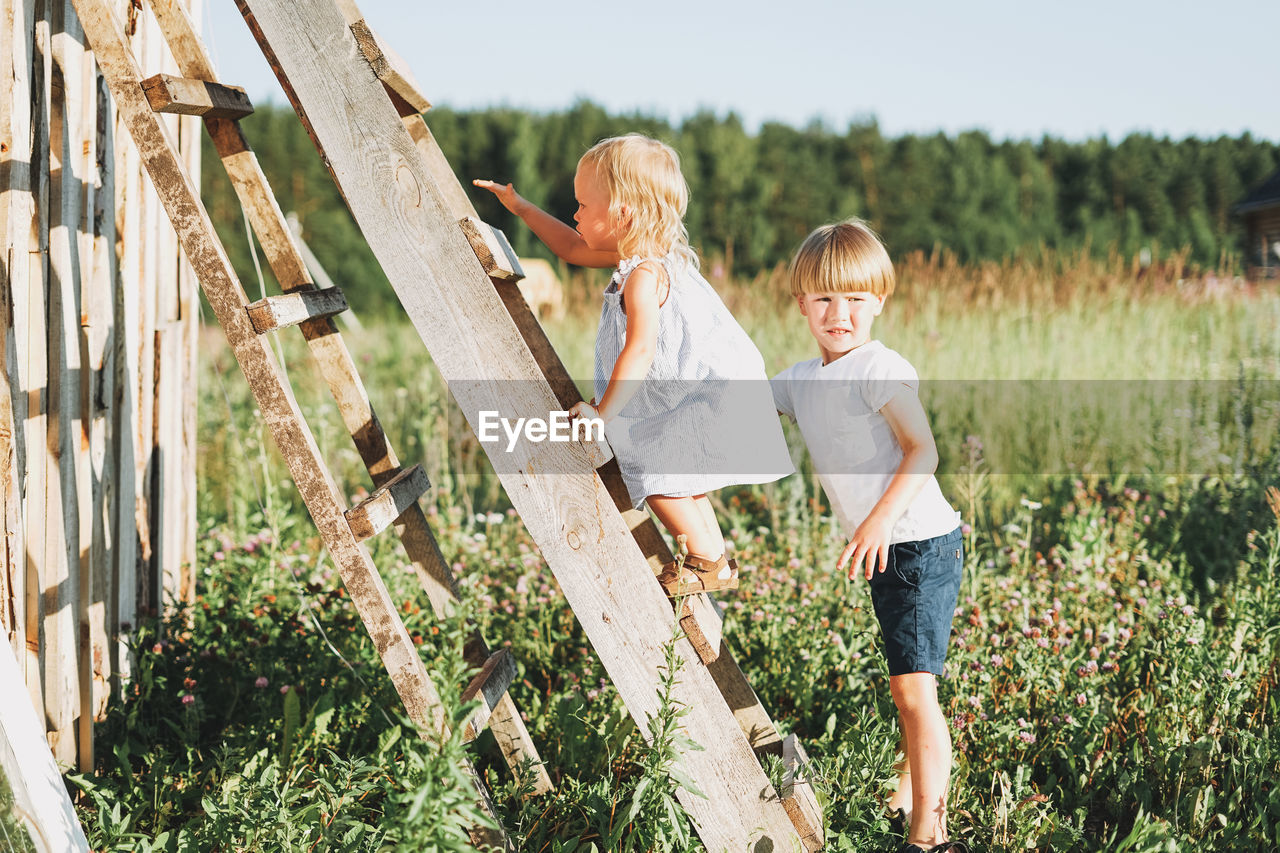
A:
(1188, 610)
(219, 556)
(1081, 699)
(494, 518)
(157, 648)
(1228, 674)
(975, 701)
(997, 660)
(1070, 720)
(1026, 737)
(188, 699)
(966, 529)
(793, 563)
(261, 682)
(1030, 504)
(284, 690)
(479, 518)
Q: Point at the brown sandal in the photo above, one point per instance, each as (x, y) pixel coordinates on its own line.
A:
(697, 575)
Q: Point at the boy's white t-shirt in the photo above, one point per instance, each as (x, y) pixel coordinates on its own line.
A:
(854, 450)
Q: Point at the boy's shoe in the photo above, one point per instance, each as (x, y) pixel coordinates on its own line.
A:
(944, 847)
(698, 574)
(898, 822)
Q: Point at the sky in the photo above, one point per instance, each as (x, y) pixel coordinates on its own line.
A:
(1014, 69)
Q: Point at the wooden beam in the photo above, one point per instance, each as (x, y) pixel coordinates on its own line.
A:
(378, 511)
(553, 487)
(797, 795)
(184, 96)
(290, 309)
(489, 686)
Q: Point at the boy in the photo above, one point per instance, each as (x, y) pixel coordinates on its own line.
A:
(859, 413)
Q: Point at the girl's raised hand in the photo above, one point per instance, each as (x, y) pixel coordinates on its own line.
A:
(506, 194)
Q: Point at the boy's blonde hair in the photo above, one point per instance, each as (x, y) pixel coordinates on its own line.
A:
(643, 175)
(842, 258)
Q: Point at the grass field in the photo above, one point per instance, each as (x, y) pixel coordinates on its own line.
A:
(1115, 649)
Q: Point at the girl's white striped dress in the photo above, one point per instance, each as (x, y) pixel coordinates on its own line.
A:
(703, 417)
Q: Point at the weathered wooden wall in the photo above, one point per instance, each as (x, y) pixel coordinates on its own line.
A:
(98, 319)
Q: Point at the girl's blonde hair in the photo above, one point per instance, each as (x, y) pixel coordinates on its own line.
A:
(643, 175)
(842, 258)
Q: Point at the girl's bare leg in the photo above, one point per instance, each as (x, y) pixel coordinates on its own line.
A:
(689, 517)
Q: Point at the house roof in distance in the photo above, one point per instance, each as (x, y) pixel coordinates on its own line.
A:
(1266, 194)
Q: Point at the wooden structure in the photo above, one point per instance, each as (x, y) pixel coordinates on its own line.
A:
(1261, 212)
(41, 807)
(97, 353)
(397, 489)
(458, 285)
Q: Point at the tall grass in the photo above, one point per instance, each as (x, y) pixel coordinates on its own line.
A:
(1113, 669)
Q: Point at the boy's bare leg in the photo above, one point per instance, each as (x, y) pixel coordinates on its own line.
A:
(901, 798)
(928, 754)
(685, 516)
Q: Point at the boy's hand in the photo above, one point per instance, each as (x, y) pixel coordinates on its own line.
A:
(507, 194)
(869, 545)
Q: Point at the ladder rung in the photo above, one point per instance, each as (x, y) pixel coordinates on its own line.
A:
(489, 686)
(290, 309)
(797, 795)
(702, 625)
(183, 96)
(492, 249)
(378, 511)
(390, 67)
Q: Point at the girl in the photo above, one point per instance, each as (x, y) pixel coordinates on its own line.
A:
(666, 352)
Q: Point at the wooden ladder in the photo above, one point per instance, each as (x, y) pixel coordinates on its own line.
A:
(493, 353)
(396, 489)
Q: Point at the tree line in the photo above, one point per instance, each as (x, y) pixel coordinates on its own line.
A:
(753, 196)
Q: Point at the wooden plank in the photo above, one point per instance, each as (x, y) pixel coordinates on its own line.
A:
(184, 96)
(553, 487)
(278, 312)
(98, 387)
(798, 797)
(67, 195)
(377, 512)
(489, 686)
(14, 202)
(126, 412)
(183, 487)
(495, 254)
(32, 340)
(39, 794)
(387, 65)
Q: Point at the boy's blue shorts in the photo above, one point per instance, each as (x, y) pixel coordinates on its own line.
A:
(915, 599)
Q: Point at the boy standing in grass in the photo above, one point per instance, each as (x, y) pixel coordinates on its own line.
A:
(858, 410)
